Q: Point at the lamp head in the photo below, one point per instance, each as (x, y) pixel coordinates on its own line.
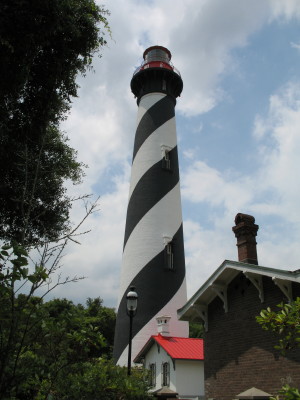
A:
(131, 301)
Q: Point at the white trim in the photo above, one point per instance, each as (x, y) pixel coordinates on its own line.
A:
(285, 286)
(201, 310)
(167, 240)
(256, 280)
(236, 266)
(221, 291)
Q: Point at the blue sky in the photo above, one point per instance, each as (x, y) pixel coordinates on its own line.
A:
(238, 125)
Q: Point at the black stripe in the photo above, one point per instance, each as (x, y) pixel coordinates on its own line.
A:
(156, 116)
(155, 286)
(151, 188)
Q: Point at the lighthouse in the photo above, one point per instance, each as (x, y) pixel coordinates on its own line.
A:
(153, 254)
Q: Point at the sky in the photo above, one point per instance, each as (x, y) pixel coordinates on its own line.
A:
(238, 127)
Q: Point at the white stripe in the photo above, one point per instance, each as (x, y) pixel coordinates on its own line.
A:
(147, 238)
(177, 328)
(151, 151)
(147, 102)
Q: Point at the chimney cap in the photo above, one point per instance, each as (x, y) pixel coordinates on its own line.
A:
(240, 217)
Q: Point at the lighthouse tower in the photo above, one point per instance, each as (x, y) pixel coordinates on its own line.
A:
(153, 256)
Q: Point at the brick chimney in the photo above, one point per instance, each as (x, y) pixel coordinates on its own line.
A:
(245, 231)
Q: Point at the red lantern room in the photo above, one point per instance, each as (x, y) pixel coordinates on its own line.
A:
(157, 57)
(156, 74)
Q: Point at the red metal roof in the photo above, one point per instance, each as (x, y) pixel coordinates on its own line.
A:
(181, 348)
(177, 347)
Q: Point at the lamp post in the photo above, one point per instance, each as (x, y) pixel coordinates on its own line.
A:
(131, 305)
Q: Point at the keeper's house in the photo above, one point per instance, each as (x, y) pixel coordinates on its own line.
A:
(240, 359)
(175, 364)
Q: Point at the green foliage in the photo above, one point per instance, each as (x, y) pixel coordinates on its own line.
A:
(103, 318)
(35, 205)
(287, 393)
(196, 330)
(56, 350)
(98, 379)
(50, 347)
(44, 45)
(18, 316)
(285, 322)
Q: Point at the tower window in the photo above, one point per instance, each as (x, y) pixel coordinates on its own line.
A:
(164, 85)
(166, 161)
(169, 257)
(165, 374)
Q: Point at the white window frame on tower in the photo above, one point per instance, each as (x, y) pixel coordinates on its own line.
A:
(166, 160)
(169, 255)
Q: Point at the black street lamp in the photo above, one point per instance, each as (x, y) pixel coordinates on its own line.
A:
(131, 305)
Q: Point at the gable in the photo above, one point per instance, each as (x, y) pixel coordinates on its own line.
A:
(217, 286)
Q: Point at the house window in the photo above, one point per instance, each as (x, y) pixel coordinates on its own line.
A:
(152, 375)
(165, 374)
(169, 264)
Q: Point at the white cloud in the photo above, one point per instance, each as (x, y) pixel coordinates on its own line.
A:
(98, 257)
(201, 35)
(260, 127)
(271, 193)
(205, 250)
(288, 9)
(281, 160)
(202, 183)
(295, 45)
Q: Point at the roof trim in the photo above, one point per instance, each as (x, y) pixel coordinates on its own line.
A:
(138, 358)
(235, 266)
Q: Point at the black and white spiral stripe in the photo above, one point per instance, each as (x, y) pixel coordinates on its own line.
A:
(153, 218)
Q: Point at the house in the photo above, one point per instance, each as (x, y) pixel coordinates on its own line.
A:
(175, 364)
(239, 354)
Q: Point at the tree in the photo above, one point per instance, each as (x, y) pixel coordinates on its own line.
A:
(44, 45)
(103, 318)
(35, 206)
(97, 379)
(196, 330)
(20, 315)
(285, 323)
(55, 348)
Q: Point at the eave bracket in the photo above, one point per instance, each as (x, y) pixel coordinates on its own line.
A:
(221, 291)
(201, 310)
(256, 280)
(285, 286)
